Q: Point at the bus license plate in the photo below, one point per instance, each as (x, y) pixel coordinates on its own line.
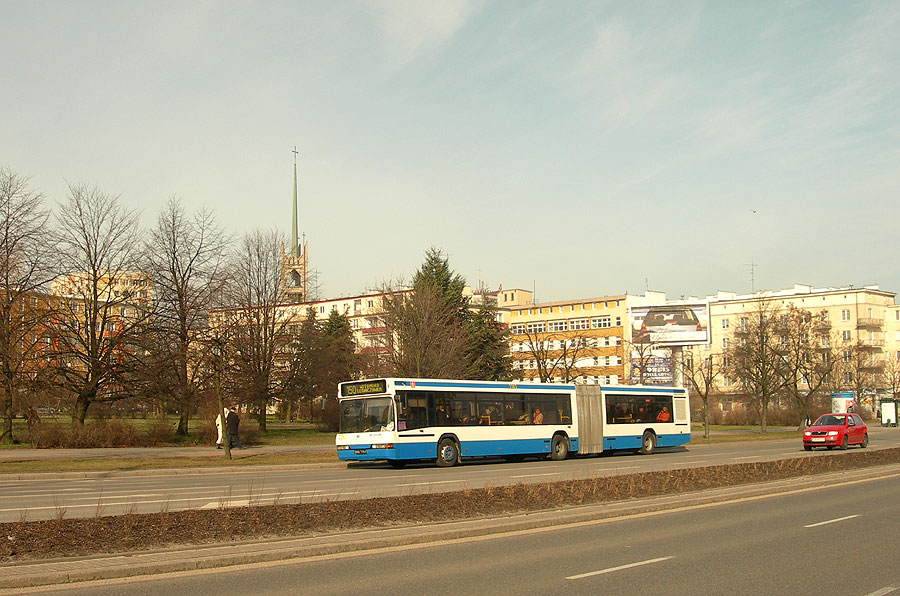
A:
(359, 451)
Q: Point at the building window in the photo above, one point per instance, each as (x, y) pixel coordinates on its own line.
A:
(745, 323)
(579, 324)
(618, 321)
(846, 355)
(517, 328)
(845, 315)
(558, 326)
(725, 323)
(845, 335)
(536, 327)
(601, 323)
(726, 342)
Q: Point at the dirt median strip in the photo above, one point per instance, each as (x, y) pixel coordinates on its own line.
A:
(42, 539)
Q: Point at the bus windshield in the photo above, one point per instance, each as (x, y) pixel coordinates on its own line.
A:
(373, 414)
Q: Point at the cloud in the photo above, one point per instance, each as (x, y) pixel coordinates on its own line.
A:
(413, 28)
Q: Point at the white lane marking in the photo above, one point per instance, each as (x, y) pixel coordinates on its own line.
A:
(882, 591)
(534, 475)
(831, 521)
(620, 567)
(744, 457)
(461, 480)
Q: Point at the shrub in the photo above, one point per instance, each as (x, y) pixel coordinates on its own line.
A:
(100, 433)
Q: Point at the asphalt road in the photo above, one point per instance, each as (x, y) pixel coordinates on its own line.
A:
(108, 493)
(836, 540)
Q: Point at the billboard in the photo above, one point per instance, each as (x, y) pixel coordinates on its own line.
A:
(670, 324)
(657, 370)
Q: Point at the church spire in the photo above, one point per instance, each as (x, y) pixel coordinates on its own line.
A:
(295, 241)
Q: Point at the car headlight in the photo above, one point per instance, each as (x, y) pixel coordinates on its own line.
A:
(832, 433)
(807, 434)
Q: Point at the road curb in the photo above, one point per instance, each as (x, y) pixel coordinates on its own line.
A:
(26, 574)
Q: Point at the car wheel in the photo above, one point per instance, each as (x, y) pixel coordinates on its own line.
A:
(829, 447)
(559, 448)
(844, 442)
(807, 447)
(865, 441)
(447, 453)
(648, 443)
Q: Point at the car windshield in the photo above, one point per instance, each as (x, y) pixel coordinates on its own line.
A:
(372, 414)
(663, 318)
(829, 420)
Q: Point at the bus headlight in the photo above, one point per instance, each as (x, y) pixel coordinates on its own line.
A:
(383, 446)
(343, 447)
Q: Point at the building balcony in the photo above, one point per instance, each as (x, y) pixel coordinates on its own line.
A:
(874, 367)
(869, 323)
(871, 344)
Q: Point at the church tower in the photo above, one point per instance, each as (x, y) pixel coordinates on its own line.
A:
(294, 276)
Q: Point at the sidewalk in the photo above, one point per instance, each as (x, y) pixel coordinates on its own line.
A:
(188, 558)
(123, 452)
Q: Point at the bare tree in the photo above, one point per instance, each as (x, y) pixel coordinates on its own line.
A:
(103, 303)
(754, 358)
(700, 375)
(644, 356)
(557, 354)
(24, 265)
(808, 356)
(859, 369)
(186, 256)
(423, 335)
(890, 375)
(259, 318)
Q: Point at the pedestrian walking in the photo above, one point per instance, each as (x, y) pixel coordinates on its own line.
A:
(220, 427)
(231, 427)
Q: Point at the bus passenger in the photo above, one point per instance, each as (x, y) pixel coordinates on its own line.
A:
(663, 415)
(538, 416)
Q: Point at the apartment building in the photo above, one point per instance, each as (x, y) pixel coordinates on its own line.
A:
(864, 319)
(573, 340)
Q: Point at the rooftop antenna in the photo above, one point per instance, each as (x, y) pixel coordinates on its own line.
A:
(752, 267)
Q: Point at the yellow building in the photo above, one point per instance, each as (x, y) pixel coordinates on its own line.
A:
(571, 340)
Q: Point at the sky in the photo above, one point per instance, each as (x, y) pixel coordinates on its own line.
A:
(579, 149)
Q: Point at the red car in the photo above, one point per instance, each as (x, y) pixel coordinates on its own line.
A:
(836, 430)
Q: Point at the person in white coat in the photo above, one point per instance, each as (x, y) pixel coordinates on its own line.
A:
(220, 427)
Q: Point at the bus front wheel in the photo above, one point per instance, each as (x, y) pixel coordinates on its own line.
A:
(648, 443)
(447, 453)
(559, 448)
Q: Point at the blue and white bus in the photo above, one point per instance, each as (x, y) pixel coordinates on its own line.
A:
(403, 420)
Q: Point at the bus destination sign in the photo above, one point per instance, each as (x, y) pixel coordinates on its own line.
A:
(363, 388)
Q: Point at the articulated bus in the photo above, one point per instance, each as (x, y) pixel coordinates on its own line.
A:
(404, 420)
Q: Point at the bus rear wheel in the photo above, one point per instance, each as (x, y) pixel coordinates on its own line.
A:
(447, 453)
(648, 443)
(559, 448)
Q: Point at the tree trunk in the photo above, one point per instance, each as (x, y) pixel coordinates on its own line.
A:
(81, 407)
(706, 417)
(764, 410)
(184, 417)
(6, 430)
(261, 414)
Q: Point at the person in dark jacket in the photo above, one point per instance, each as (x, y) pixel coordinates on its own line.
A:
(231, 426)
